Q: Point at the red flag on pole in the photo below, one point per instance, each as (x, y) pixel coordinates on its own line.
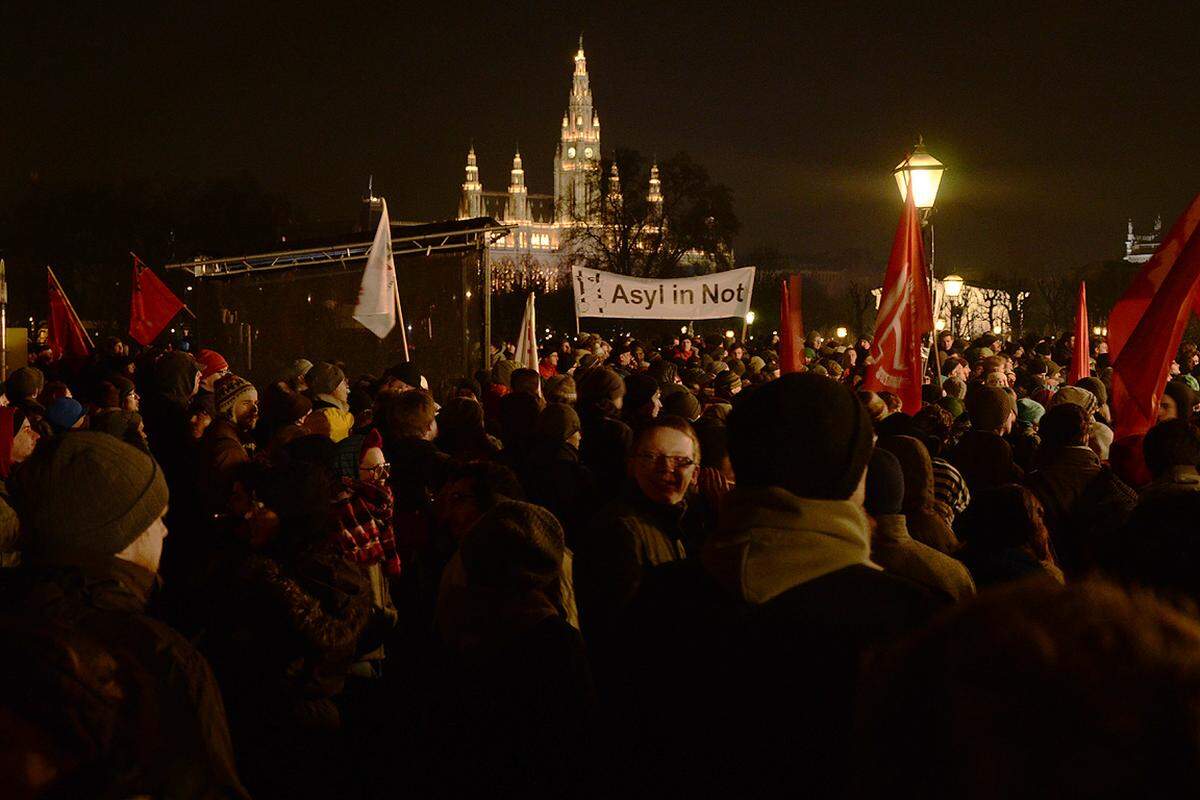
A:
(791, 327)
(904, 316)
(1133, 304)
(66, 337)
(1079, 356)
(151, 306)
(1140, 371)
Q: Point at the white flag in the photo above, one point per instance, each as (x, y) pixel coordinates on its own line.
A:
(527, 339)
(377, 295)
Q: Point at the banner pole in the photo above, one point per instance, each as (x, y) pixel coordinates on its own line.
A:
(71, 306)
(400, 318)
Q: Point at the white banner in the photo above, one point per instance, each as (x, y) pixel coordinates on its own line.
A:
(606, 294)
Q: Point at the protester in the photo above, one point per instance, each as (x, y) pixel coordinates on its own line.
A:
(93, 510)
(1005, 537)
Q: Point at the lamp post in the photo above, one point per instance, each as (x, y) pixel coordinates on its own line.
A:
(922, 173)
(747, 321)
(953, 286)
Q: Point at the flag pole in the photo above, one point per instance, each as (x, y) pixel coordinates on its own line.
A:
(70, 306)
(400, 318)
(3, 321)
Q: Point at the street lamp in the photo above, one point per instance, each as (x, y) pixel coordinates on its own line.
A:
(841, 332)
(749, 320)
(921, 171)
(953, 286)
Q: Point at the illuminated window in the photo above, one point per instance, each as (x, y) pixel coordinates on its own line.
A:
(578, 120)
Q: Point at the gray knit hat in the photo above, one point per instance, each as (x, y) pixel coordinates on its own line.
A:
(87, 495)
(324, 378)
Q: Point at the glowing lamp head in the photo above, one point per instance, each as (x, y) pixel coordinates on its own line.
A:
(683, 328)
(921, 171)
(729, 334)
(841, 332)
(750, 317)
(996, 329)
(1096, 331)
(939, 325)
(953, 284)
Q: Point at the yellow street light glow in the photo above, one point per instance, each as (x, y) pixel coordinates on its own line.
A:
(841, 332)
(1096, 330)
(939, 325)
(750, 317)
(729, 334)
(953, 285)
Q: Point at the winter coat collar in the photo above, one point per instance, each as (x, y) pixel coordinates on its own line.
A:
(108, 584)
(769, 540)
(329, 401)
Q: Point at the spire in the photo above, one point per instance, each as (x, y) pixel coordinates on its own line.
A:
(614, 184)
(654, 196)
(518, 197)
(471, 203)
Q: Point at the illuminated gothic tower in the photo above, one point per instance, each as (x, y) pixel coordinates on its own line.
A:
(576, 163)
(471, 204)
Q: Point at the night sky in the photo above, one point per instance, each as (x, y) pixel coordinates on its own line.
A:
(1055, 126)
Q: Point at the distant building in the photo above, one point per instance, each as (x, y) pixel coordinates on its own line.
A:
(1139, 247)
(531, 255)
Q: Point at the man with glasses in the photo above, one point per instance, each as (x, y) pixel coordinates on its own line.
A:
(643, 527)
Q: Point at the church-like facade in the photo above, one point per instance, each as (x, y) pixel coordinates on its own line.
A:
(532, 254)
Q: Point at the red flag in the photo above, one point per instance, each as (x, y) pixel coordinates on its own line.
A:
(1133, 304)
(904, 316)
(151, 306)
(1140, 372)
(1079, 357)
(791, 327)
(66, 337)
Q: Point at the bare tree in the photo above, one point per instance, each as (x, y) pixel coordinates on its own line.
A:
(690, 230)
(860, 300)
(1057, 293)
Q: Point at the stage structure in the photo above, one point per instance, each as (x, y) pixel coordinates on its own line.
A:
(265, 310)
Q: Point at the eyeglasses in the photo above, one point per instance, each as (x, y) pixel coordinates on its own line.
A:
(675, 463)
(379, 470)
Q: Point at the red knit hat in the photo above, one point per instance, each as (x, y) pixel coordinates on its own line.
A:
(211, 362)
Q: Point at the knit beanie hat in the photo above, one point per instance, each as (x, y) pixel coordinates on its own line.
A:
(561, 389)
(514, 547)
(228, 390)
(211, 362)
(1074, 394)
(502, 371)
(1096, 387)
(885, 484)
(682, 403)
(297, 369)
(989, 407)
(87, 495)
(556, 423)
(63, 413)
(801, 413)
(756, 365)
(599, 383)
(639, 389)
(323, 378)
(24, 382)
(1029, 412)
(953, 405)
(1183, 396)
(406, 371)
(726, 383)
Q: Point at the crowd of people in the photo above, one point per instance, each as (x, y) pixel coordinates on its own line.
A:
(645, 568)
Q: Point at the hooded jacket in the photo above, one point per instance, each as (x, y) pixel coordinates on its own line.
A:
(771, 626)
(900, 554)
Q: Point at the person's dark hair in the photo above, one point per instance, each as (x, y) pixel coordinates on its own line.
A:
(1064, 425)
(714, 442)
(300, 492)
(803, 433)
(525, 380)
(1173, 443)
(1005, 516)
(670, 422)
(1038, 689)
(490, 482)
(464, 387)
(933, 426)
(405, 414)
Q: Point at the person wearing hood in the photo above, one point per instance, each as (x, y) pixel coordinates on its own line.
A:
(1006, 539)
(461, 432)
(891, 545)
(93, 508)
(330, 393)
(928, 520)
(643, 400)
(771, 625)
